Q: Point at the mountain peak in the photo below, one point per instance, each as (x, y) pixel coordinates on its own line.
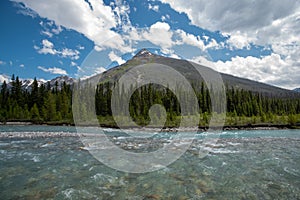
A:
(144, 53)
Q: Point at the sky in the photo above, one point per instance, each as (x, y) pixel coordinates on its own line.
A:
(257, 39)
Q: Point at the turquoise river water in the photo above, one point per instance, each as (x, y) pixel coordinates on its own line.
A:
(46, 162)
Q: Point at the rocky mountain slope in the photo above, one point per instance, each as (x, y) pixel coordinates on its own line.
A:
(190, 73)
(28, 83)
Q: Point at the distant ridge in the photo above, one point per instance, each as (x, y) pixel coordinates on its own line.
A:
(184, 67)
(28, 83)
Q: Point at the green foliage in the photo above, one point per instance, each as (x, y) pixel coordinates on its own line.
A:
(243, 107)
(292, 120)
(41, 104)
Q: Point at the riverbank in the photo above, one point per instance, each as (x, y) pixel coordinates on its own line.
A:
(261, 126)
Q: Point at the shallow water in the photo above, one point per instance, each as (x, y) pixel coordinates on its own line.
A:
(257, 164)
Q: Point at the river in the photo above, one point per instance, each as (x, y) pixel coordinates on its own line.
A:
(48, 162)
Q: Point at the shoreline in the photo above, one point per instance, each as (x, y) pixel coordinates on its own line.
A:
(266, 126)
(61, 134)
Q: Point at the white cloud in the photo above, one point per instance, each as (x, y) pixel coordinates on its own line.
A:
(240, 40)
(3, 78)
(190, 39)
(98, 71)
(57, 30)
(80, 47)
(270, 69)
(234, 15)
(50, 28)
(73, 64)
(113, 57)
(48, 48)
(212, 44)
(53, 70)
(95, 24)
(47, 44)
(2, 62)
(24, 10)
(153, 7)
(260, 22)
(22, 65)
(272, 24)
(165, 17)
(159, 34)
(73, 54)
(47, 33)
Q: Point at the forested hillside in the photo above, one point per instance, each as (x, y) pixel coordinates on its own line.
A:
(39, 104)
(243, 107)
(54, 106)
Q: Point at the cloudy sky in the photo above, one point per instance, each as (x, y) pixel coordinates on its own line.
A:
(259, 40)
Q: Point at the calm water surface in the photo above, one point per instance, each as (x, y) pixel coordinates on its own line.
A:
(257, 164)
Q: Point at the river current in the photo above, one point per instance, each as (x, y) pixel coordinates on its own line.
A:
(50, 162)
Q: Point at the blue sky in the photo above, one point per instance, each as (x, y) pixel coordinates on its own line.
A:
(258, 40)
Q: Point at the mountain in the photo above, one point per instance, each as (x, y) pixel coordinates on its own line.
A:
(60, 80)
(296, 90)
(185, 68)
(27, 83)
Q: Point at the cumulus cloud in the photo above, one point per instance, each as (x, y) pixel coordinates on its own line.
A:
(113, 57)
(70, 53)
(260, 22)
(50, 28)
(73, 64)
(239, 40)
(270, 69)
(153, 7)
(25, 10)
(48, 48)
(53, 70)
(96, 22)
(234, 15)
(272, 24)
(99, 22)
(161, 34)
(190, 39)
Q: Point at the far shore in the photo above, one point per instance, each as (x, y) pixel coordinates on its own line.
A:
(266, 126)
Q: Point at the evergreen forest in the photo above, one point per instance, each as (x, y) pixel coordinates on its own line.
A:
(45, 105)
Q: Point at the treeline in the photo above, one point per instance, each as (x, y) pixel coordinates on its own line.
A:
(39, 104)
(54, 105)
(241, 106)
